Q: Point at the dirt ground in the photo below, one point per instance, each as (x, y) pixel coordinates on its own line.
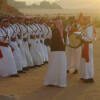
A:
(30, 86)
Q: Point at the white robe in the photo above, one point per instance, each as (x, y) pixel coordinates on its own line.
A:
(35, 54)
(49, 35)
(73, 54)
(39, 47)
(56, 74)
(22, 49)
(45, 52)
(45, 49)
(39, 50)
(73, 58)
(7, 63)
(17, 56)
(19, 41)
(28, 54)
(87, 68)
(16, 53)
(26, 47)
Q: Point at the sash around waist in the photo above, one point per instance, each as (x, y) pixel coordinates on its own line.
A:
(4, 44)
(25, 39)
(32, 37)
(13, 39)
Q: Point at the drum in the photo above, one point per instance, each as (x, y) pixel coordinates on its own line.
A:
(75, 42)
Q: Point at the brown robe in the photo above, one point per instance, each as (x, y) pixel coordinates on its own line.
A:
(55, 42)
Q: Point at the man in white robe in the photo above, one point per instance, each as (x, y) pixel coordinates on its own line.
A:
(73, 54)
(87, 65)
(38, 61)
(7, 62)
(38, 42)
(20, 43)
(26, 46)
(16, 51)
(43, 37)
(56, 74)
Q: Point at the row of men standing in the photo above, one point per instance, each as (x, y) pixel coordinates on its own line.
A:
(22, 45)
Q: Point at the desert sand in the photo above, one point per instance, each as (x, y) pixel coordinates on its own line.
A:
(29, 86)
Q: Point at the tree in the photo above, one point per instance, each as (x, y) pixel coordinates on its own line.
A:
(5, 8)
(45, 4)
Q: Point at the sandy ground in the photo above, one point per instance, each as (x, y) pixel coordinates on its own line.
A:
(30, 86)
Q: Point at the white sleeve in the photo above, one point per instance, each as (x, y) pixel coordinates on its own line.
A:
(67, 39)
(89, 35)
(49, 35)
(66, 29)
